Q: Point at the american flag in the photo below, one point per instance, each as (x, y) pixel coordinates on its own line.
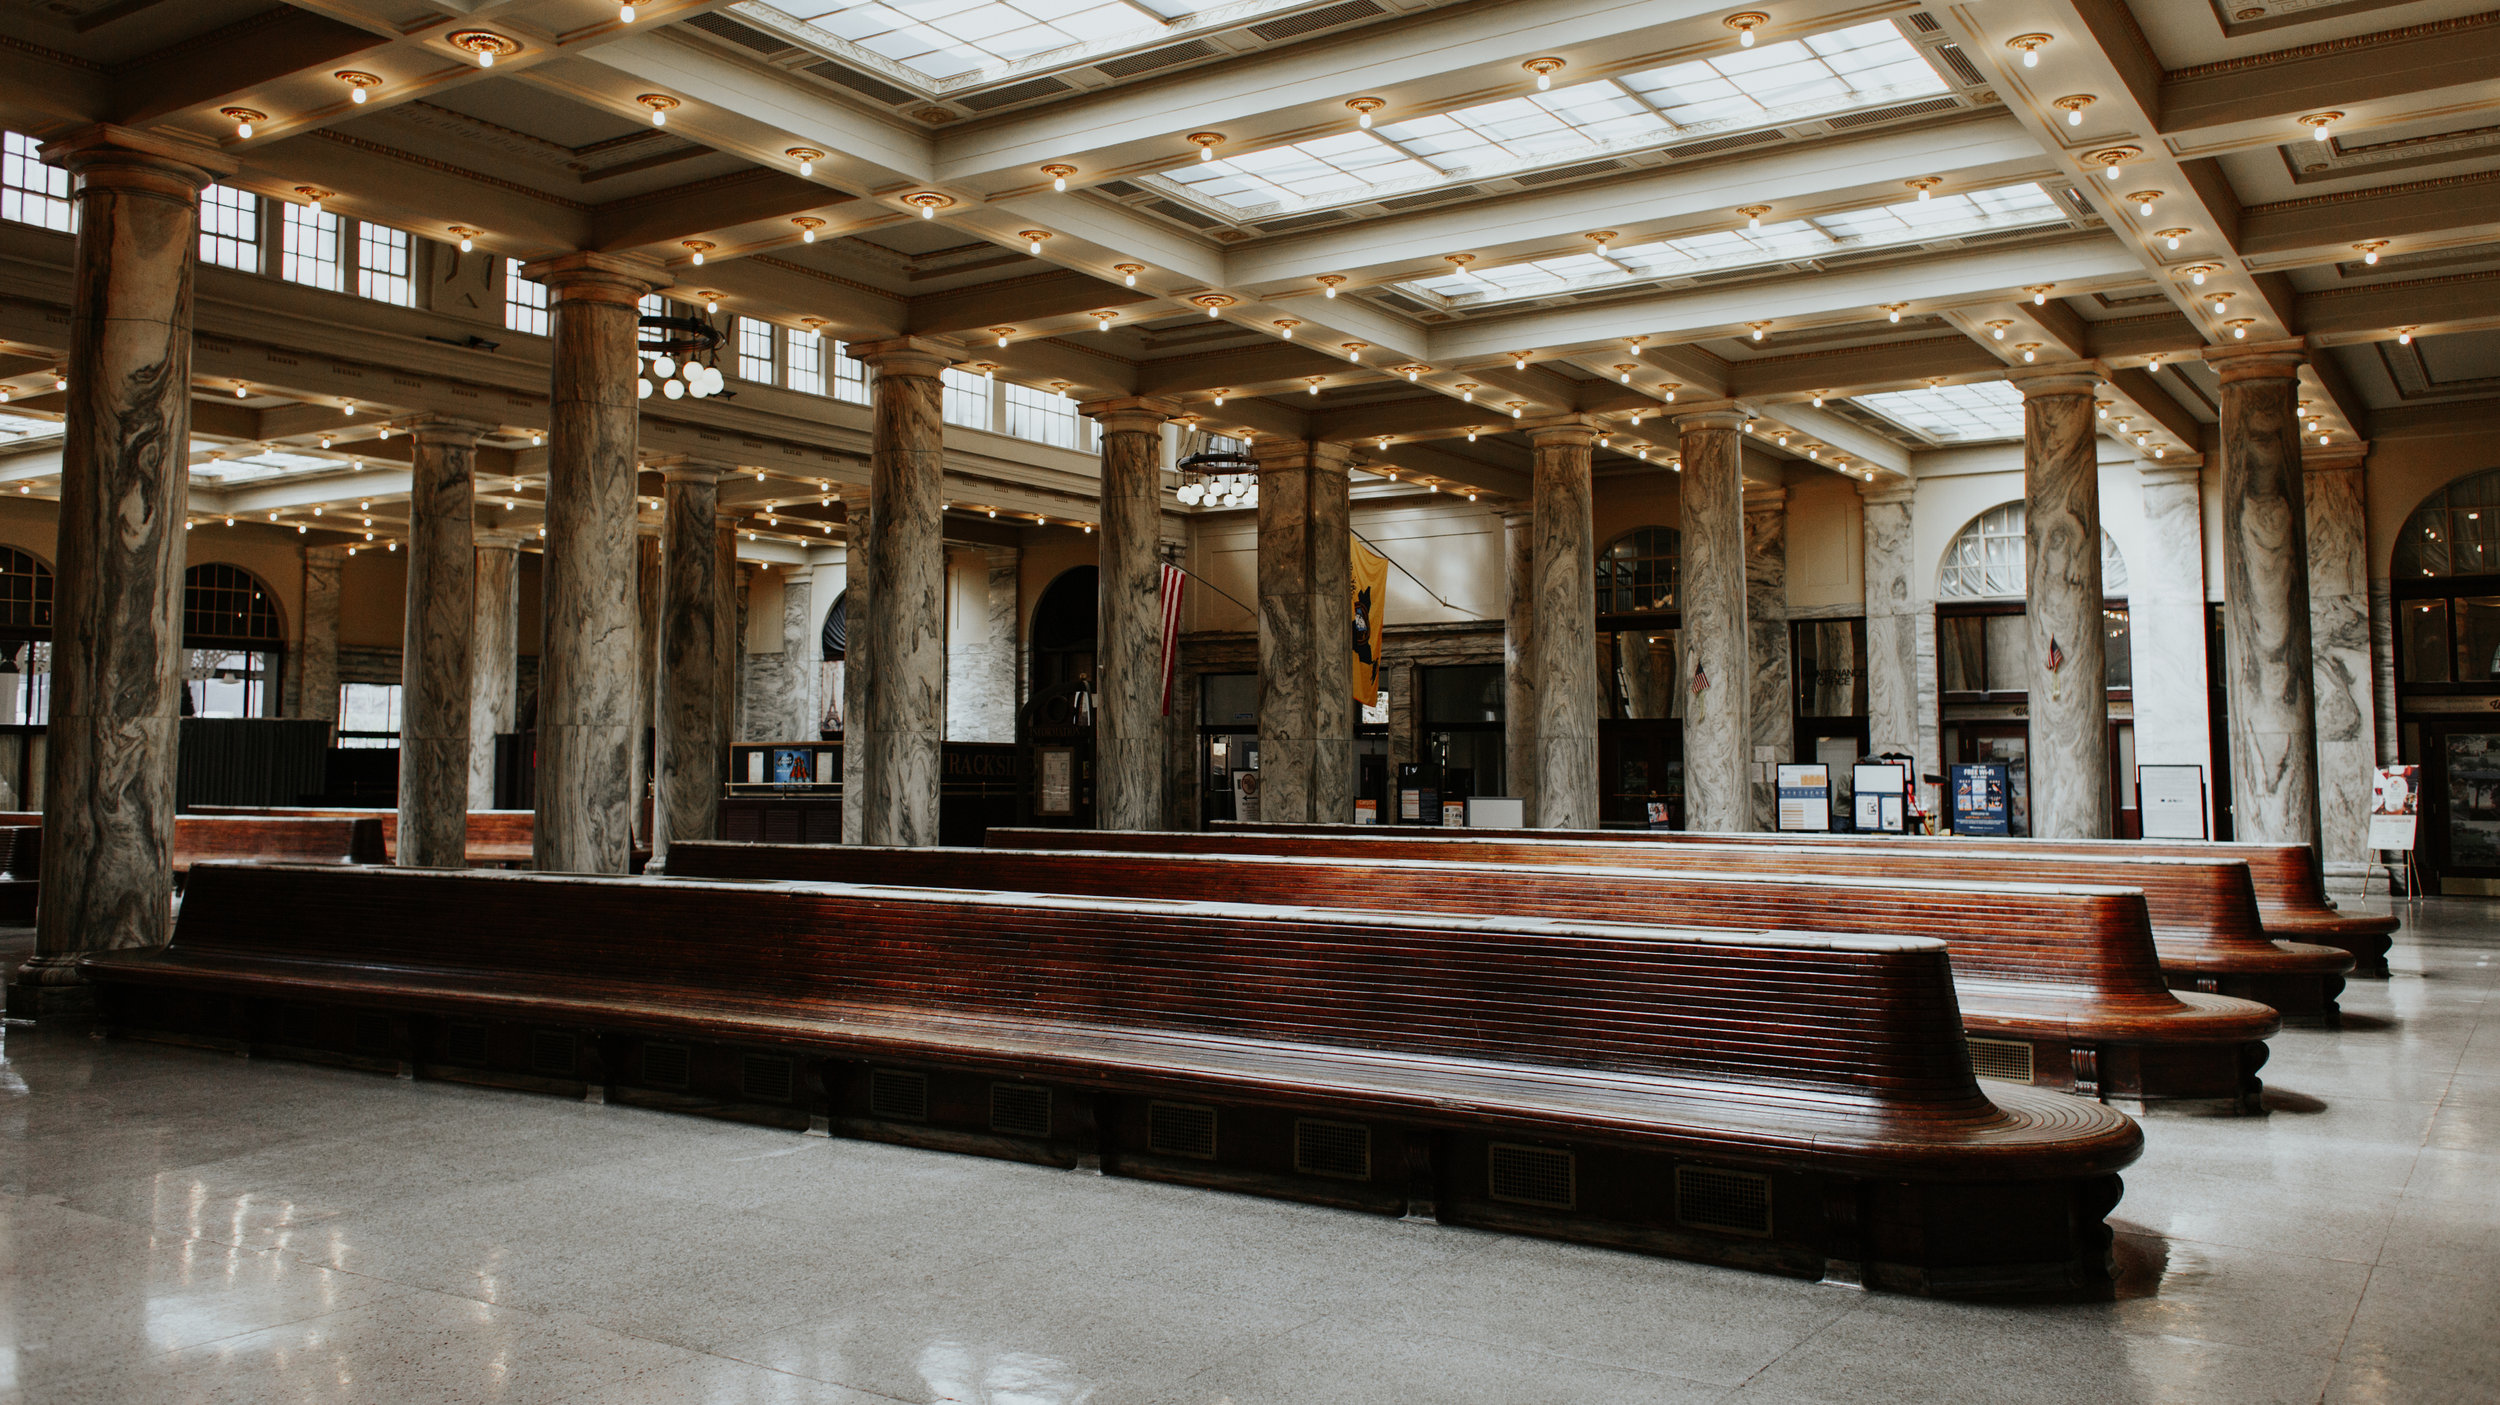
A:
(1173, 578)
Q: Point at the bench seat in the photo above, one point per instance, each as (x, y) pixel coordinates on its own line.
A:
(1635, 1072)
(2067, 973)
(496, 838)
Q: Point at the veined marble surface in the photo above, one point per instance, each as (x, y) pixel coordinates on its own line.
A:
(1716, 670)
(2383, 670)
(981, 651)
(646, 696)
(494, 698)
(729, 627)
(1128, 694)
(1519, 658)
(2166, 628)
(2339, 641)
(2069, 746)
(856, 510)
(691, 733)
(778, 688)
(1893, 674)
(1306, 634)
(1771, 708)
(1563, 636)
(315, 666)
(2266, 622)
(436, 646)
(907, 568)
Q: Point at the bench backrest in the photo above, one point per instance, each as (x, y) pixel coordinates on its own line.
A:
(2207, 900)
(1871, 1019)
(200, 838)
(2094, 939)
(499, 834)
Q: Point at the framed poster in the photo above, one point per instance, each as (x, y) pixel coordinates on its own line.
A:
(1805, 797)
(1883, 789)
(2395, 807)
(794, 765)
(2170, 801)
(1246, 796)
(1054, 780)
(1983, 799)
(1366, 811)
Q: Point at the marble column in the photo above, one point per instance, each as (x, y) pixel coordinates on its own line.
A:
(2269, 674)
(1128, 649)
(693, 741)
(1306, 633)
(1892, 617)
(436, 673)
(2166, 626)
(1562, 631)
(907, 573)
(2069, 751)
(728, 626)
(1717, 640)
(1182, 804)
(117, 614)
(646, 676)
(855, 616)
(1519, 656)
(2333, 486)
(316, 667)
(1772, 707)
(586, 725)
(495, 696)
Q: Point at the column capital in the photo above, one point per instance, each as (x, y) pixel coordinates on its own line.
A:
(1569, 431)
(439, 428)
(905, 356)
(2334, 458)
(686, 468)
(1131, 414)
(1713, 414)
(2187, 470)
(1887, 493)
(590, 276)
(2272, 360)
(109, 154)
(2057, 378)
(1764, 495)
(1323, 455)
(500, 538)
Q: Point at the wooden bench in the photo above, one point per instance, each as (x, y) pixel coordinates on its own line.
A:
(2058, 987)
(2204, 914)
(1795, 1103)
(200, 839)
(497, 838)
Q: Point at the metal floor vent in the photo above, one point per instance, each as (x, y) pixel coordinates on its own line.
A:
(2007, 1059)
(1181, 1129)
(462, 1044)
(552, 1051)
(897, 1096)
(667, 1065)
(1339, 1149)
(373, 1032)
(767, 1078)
(1532, 1175)
(1738, 1202)
(1019, 1110)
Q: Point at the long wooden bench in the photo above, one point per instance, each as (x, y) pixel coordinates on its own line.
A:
(202, 839)
(1789, 1102)
(2204, 914)
(497, 838)
(2058, 987)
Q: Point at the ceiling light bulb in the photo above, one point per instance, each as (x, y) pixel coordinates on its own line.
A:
(1467, 393)
(1059, 174)
(1753, 213)
(1314, 384)
(1745, 24)
(2198, 274)
(2040, 296)
(2321, 441)
(2321, 124)
(2031, 45)
(1519, 362)
(2404, 337)
(1207, 143)
(2369, 250)
(1128, 272)
(1544, 69)
(2110, 171)
(537, 440)
(1219, 396)
(2144, 207)
(1893, 311)
(2171, 239)
(244, 117)
(1471, 436)
(1758, 329)
(60, 381)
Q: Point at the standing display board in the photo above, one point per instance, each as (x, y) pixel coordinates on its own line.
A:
(1805, 797)
(2170, 801)
(2395, 807)
(1983, 799)
(1883, 794)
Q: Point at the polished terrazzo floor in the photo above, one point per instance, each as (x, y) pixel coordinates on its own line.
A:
(180, 1226)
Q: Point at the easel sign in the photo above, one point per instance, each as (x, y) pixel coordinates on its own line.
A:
(1805, 797)
(2395, 807)
(2170, 801)
(1881, 792)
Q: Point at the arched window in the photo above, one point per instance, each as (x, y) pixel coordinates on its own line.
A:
(1638, 573)
(225, 604)
(835, 639)
(1063, 628)
(25, 591)
(2455, 532)
(1988, 559)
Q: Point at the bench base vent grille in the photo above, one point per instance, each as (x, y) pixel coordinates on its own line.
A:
(1735, 1202)
(1339, 1149)
(897, 1096)
(766, 1078)
(1532, 1175)
(1019, 1110)
(1181, 1129)
(553, 1052)
(373, 1033)
(667, 1065)
(2006, 1059)
(462, 1044)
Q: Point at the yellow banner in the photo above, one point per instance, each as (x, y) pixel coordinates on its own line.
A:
(1371, 598)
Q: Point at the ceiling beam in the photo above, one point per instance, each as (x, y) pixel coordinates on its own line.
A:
(667, 217)
(224, 67)
(1048, 293)
(2403, 69)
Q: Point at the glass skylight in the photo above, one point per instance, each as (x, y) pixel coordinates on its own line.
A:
(1952, 413)
(1863, 66)
(943, 39)
(16, 427)
(1908, 221)
(273, 464)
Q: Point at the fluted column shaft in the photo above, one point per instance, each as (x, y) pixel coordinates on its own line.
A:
(1519, 657)
(2333, 483)
(1128, 649)
(495, 693)
(2269, 678)
(693, 741)
(1717, 640)
(586, 726)
(2069, 750)
(907, 575)
(437, 645)
(1562, 635)
(117, 615)
(1306, 629)
(2166, 627)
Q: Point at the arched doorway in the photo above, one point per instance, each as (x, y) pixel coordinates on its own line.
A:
(2444, 575)
(1640, 708)
(1055, 727)
(232, 640)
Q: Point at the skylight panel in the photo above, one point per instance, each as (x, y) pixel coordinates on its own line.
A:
(1957, 413)
(946, 39)
(15, 427)
(1781, 82)
(1305, 172)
